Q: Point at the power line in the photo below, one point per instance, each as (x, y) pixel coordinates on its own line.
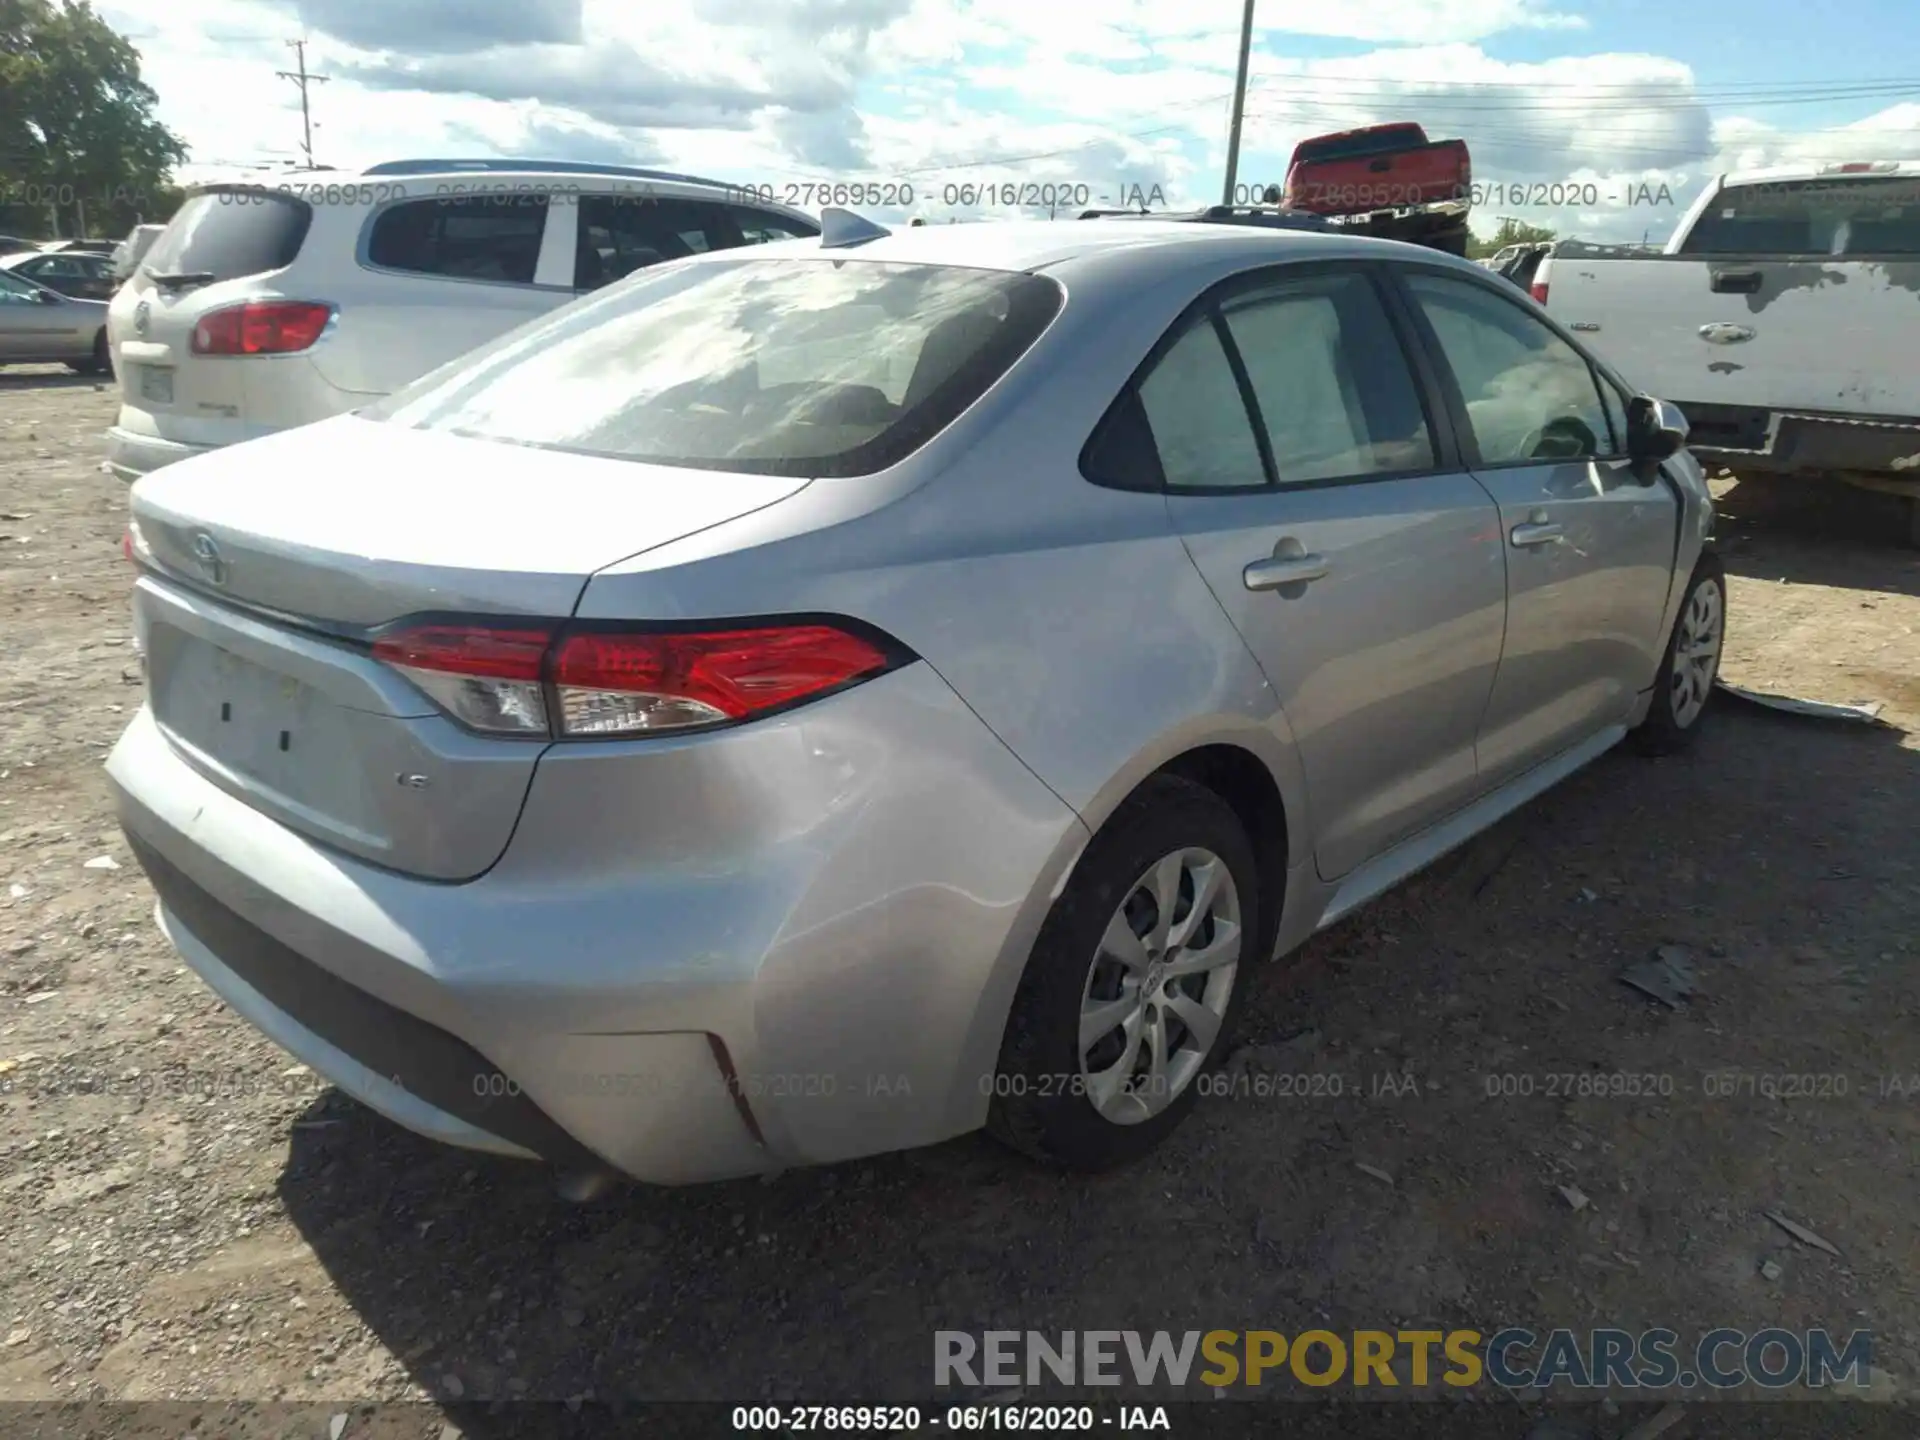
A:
(301, 78)
(1405, 91)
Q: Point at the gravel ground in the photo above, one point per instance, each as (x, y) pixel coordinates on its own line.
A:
(189, 1216)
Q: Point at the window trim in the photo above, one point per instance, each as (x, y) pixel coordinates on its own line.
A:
(1449, 383)
(1448, 458)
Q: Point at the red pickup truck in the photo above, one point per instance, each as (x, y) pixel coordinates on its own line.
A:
(1387, 180)
(1383, 167)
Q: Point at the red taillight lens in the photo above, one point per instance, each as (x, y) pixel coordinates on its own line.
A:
(620, 683)
(126, 546)
(624, 682)
(1538, 290)
(261, 327)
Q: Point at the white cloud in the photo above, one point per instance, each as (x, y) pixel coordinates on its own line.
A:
(1131, 93)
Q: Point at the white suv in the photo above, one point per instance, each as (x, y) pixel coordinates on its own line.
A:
(264, 306)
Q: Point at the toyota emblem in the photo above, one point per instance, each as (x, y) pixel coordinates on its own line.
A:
(212, 565)
(142, 313)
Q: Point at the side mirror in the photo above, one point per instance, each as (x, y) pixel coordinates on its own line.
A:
(47, 297)
(1655, 428)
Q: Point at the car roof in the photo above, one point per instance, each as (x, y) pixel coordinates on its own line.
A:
(402, 179)
(1028, 245)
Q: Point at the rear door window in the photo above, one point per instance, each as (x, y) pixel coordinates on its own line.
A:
(1332, 385)
(467, 237)
(230, 233)
(620, 234)
(1811, 217)
(1198, 417)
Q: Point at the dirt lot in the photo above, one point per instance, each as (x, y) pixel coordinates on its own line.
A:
(186, 1216)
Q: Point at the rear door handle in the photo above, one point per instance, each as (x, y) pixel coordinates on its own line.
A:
(1735, 282)
(1537, 533)
(1283, 570)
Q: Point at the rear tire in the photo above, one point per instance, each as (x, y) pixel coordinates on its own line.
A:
(1128, 998)
(1683, 690)
(100, 362)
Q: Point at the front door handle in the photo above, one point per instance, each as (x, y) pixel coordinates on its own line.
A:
(1538, 532)
(1283, 570)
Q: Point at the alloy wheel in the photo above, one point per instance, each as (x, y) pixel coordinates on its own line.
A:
(1696, 653)
(1156, 992)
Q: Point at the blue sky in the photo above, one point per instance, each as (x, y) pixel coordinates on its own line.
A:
(1591, 99)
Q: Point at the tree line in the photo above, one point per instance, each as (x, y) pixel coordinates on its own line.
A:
(81, 153)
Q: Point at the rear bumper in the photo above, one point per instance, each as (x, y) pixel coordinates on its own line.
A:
(1781, 441)
(839, 991)
(131, 455)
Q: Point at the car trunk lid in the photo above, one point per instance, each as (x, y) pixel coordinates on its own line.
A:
(269, 564)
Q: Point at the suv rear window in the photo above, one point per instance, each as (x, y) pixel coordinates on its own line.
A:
(1811, 217)
(231, 232)
(775, 367)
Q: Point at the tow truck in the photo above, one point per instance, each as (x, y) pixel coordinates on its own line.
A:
(1388, 181)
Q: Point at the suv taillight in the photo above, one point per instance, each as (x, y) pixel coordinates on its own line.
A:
(261, 327)
(1538, 290)
(570, 683)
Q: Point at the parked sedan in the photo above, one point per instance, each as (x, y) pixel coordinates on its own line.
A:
(801, 703)
(38, 326)
(80, 274)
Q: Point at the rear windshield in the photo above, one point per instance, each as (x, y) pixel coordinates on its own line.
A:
(1811, 217)
(225, 234)
(790, 367)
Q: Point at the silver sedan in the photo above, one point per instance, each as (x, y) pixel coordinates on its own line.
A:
(796, 704)
(40, 326)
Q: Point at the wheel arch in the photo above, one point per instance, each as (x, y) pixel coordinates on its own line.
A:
(1244, 781)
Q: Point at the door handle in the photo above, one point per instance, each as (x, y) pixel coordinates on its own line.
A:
(1281, 571)
(1538, 532)
(1734, 282)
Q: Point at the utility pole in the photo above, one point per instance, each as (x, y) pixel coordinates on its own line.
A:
(1239, 103)
(301, 78)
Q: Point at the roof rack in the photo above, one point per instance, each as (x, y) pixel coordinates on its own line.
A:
(534, 167)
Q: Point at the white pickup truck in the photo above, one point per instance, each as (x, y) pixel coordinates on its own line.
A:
(1783, 318)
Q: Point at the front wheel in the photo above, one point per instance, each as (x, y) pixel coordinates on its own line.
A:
(1127, 997)
(1692, 663)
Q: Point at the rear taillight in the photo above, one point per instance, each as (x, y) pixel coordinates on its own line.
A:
(1538, 290)
(581, 683)
(261, 327)
(126, 547)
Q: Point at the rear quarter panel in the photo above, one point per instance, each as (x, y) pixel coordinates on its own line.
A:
(1067, 616)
